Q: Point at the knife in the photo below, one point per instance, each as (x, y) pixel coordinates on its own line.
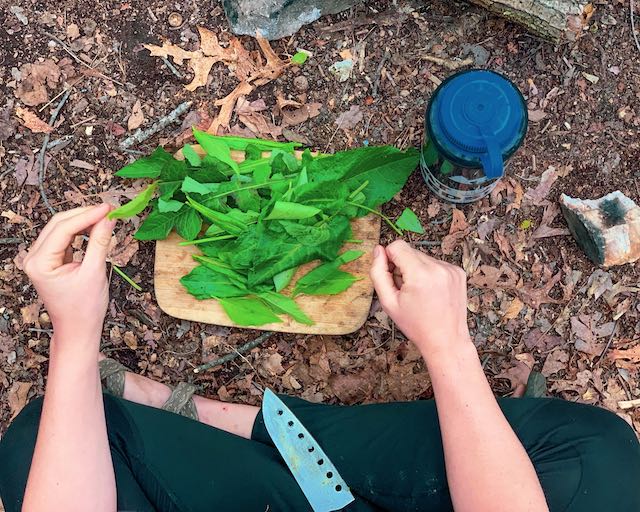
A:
(316, 475)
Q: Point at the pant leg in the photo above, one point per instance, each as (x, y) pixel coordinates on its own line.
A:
(587, 458)
(166, 462)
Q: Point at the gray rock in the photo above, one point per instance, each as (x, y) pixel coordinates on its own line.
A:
(278, 18)
(606, 229)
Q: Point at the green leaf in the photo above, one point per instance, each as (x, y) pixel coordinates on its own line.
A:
(282, 279)
(205, 283)
(241, 143)
(215, 147)
(191, 156)
(409, 222)
(536, 385)
(136, 205)
(327, 279)
(174, 170)
(292, 211)
(299, 58)
(169, 206)
(188, 223)
(156, 226)
(247, 311)
(222, 220)
(191, 186)
(385, 168)
(285, 305)
(167, 189)
(147, 167)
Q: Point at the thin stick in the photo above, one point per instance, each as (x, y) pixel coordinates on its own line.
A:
(43, 151)
(606, 348)
(238, 352)
(172, 68)
(633, 24)
(8, 241)
(142, 135)
(376, 83)
(449, 64)
(124, 276)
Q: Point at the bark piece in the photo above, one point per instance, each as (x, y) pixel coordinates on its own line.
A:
(555, 20)
(606, 229)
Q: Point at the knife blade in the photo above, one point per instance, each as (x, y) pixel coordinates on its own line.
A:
(316, 475)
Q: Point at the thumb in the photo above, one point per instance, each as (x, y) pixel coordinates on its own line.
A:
(382, 278)
(98, 246)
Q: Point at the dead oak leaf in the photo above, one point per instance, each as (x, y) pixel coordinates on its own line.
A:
(300, 115)
(353, 388)
(34, 79)
(136, 118)
(630, 354)
(535, 296)
(227, 104)
(555, 362)
(17, 396)
(30, 313)
(32, 121)
(349, 119)
(540, 340)
(272, 364)
(171, 50)
(201, 68)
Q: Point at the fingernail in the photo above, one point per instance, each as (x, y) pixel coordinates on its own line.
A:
(376, 251)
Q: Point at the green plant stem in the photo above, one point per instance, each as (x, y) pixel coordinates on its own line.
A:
(205, 240)
(353, 241)
(124, 276)
(359, 189)
(379, 214)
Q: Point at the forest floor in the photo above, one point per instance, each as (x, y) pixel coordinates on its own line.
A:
(535, 301)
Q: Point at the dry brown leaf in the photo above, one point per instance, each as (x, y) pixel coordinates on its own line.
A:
(130, 340)
(32, 121)
(537, 196)
(17, 397)
(244, 66)
(26, 172)
(518, 375)
(227, 105)
(556, 361)
(32, 89)
(171, 50)
(353, 388)
(535, 338)
(136, 118)
(349, 119)
(535, 297)
(283, 103)
(458, 221)
(121, 253)
(201, 68)
(300, 115)
(630, 354)
(272, 364)
(30, 313)
(514, 309)
(274, 66)
(211, 48)
(73, 32)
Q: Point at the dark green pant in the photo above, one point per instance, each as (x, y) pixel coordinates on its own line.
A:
(391, 455)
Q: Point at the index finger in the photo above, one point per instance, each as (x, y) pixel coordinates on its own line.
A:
(52, 248)
(405, 258)
(53, 221)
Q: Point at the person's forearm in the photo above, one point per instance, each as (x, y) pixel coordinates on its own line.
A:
(72, 465)
(488, 469)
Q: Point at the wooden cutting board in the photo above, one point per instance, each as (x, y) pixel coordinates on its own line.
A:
(333, 314)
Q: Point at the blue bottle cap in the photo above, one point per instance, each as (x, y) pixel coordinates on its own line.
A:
(478, 118)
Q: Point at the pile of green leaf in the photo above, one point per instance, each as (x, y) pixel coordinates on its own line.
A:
(266, 216)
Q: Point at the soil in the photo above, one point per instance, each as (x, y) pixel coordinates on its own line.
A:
(586, 92)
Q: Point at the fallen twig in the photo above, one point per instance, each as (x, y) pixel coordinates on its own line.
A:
(142, 135)
(376, 83)
(43, 151)
(8, 241)
(449, 64)
(238, 352)
(172, 68)
(628, 404)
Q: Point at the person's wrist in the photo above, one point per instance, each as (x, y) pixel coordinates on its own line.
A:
(81, 340)
(449, 347)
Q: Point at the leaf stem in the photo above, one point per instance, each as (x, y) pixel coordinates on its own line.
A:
(359, 189)
(205, 240)
(379, 214)
(124, 276)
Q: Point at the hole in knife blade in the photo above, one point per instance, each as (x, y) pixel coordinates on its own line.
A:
(300, 435)
(311, 448)
(320, 462)
(329, 474)
(290, 423)
(338, 488)
(280, 412)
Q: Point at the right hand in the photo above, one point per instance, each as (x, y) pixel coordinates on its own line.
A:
(425, 297)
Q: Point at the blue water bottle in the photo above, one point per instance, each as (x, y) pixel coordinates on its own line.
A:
(475, 121)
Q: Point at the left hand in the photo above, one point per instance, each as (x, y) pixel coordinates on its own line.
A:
(75, 294)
